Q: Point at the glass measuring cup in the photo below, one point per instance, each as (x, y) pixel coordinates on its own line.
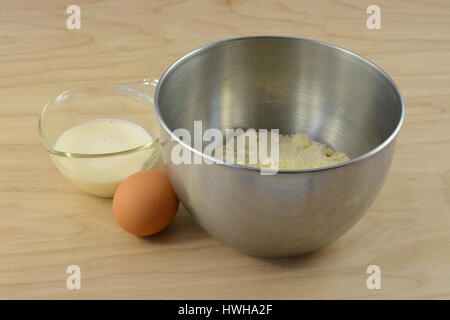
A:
(101, 173)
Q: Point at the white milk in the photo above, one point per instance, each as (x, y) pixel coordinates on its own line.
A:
(102, 176)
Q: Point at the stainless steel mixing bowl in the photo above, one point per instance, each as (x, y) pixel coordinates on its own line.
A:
(298, 86)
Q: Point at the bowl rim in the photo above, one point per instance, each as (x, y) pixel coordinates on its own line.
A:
(118, 87)
(214, 160)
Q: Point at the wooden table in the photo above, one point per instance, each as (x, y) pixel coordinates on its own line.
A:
(46, 224)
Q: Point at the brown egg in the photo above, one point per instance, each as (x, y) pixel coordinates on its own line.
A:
(145, 203)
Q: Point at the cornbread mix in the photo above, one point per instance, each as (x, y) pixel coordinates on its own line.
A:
(296, 152)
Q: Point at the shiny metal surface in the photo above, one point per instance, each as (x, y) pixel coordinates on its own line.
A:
(295, 85)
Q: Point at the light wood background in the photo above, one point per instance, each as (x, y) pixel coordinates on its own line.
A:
(46, 224)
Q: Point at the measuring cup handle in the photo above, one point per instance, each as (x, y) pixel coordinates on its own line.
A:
(144, 89)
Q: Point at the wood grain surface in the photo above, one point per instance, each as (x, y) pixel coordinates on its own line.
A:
(46, 224)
